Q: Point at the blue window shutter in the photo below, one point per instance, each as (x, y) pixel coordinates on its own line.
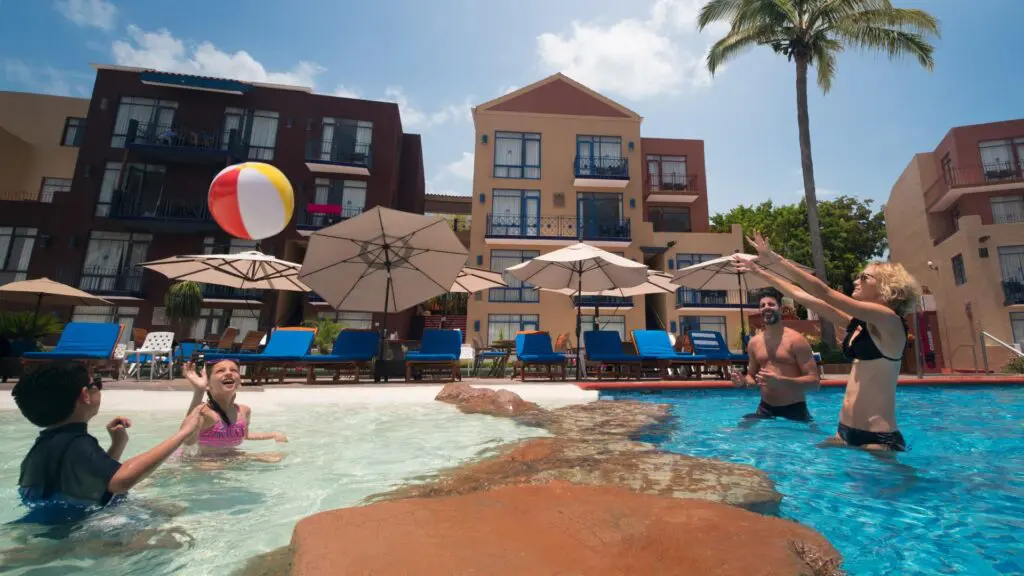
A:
(476, 325)
(671, 265)
(479, 260)
(672, 325)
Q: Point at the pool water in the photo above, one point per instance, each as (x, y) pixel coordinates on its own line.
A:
(952, 504)
(335, 458)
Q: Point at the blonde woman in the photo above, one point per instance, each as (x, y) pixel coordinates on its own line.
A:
(876, 337)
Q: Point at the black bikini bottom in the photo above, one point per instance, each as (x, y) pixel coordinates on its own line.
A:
(891, 440)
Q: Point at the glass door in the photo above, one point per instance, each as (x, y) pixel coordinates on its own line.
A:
(599, 213)
(584, 157)
(531, 215)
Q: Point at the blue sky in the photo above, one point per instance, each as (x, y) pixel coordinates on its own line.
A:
(436, 59)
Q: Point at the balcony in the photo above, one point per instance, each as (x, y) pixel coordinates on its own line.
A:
(317, 216)
(43, 196)
(1013, 292)
(601, 172)
(556, 230)
(720, 299)
(338, 157)
(162, 213)
(166, 144)
(213, 291)
(955, 182)
(672, 188)
(104, 281)
(603, 301)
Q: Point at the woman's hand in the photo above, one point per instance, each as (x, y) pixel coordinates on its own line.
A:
(198, 381)
(765, 253)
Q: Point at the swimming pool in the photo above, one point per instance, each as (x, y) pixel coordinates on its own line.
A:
(952, 504)
(337, 455)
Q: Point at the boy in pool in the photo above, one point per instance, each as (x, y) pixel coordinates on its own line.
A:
(66, 475)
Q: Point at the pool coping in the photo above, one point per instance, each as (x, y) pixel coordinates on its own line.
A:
(937, 381)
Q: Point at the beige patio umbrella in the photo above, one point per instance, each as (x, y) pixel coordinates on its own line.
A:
(658, 282)
(245, 270)
(55, 293)
(472, 280)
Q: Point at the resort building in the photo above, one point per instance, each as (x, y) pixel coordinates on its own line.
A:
(955, 220)
(150, 142)
(557, 163)
(458, 210)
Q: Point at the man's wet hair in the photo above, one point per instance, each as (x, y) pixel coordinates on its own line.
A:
(770, 293)
(47, 395)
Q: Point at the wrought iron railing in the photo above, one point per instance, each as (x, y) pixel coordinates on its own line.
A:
(601, 167)
(229, 293)
(690, 298)
(331, 152)
(558, 227)
(603, 301)
(672, 183)
(175, 136)
(1013, 292)
(972, 175)
(105, 281)
(315, 220)
(131, 205)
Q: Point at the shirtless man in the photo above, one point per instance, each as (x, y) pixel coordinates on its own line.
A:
(781, 364)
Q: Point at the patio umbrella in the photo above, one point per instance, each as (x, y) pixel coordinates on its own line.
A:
(471, 280)
(55, 293)
(658, 282)
(251, 270)
(383, 261)
(583, 267)
(721, 274)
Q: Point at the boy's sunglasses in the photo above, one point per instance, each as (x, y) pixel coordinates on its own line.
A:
(96, 383)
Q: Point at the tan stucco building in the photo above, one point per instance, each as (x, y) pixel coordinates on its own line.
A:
(557, 163)
(955, 220)
(39, 138)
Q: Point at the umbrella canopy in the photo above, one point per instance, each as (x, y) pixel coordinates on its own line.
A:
(721, 274)
(383, 261)
(245, 270)
(472, 280)
(580, 267)
(55, 293)
(658, 282)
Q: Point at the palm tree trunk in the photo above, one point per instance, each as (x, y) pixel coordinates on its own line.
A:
(811, 198)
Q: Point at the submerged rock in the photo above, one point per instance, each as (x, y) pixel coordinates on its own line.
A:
(555, 528)
(484, 400)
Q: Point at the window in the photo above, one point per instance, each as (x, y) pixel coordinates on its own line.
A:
(670, 218)
(1017, 323)
(667, 172)
(349, 194)
(256, 128)
(691, 297)
(515, 213)
(505, 326)
(997, 159)
(53, 186)
(151, 114)
(140, 193)
(613, 323)
(704, 323)
(210, 321)
(517, 155)
(948, 173)
(1011, 261)
(74, 130)
(517, 291)
(1007, 209)
(344, 140)
(599, 156)
(214, 245)
(353, 320)
(15, 252)
(959, 275)
(216, 320)
(123, 315)
(111, 262)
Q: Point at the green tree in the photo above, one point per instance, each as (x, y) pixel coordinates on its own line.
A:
(184, 303)
(813, 33)
(853, 233)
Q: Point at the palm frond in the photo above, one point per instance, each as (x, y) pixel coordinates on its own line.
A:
(895, 43)
(760, 13)
(718, 10)
(823, 57)
(904, 19)
(735, 42)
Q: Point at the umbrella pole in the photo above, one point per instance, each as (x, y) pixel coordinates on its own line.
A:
(579, 321)
(35, 315)
(380, 373)
(743, 319)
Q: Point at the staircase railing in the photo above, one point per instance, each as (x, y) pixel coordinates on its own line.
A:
(984, 351)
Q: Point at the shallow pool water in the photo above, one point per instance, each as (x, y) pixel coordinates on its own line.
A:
(336, 457)
(952, 504)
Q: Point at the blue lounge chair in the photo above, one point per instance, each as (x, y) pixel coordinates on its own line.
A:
(438, 349)
(284, 347)
(90, 343)
(655, 347)
(712, 346)
(534, 349)
(355, 348)
(604, 348)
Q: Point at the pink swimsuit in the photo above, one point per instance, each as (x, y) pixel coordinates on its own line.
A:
(222, 435)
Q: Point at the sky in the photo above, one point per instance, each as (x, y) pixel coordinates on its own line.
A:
(439, 58)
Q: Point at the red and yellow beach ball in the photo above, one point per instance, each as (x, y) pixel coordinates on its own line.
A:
(251, 200)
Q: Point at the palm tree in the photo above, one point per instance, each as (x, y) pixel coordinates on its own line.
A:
(814, 32)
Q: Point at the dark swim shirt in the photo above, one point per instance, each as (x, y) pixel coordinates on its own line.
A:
(65, 474)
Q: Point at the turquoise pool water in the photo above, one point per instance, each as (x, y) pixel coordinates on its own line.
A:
(335, 458)
(952, 504)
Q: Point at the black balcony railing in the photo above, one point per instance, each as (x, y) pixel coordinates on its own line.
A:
(663, 183)
(1013, 292)
(131, 205)
(690, 298)
(603, 301)
(602, 167)
(229, 293)
(951, 177)
(558, 227)
(170, 142)
(105, 281)
(332, 214)
(345, 154)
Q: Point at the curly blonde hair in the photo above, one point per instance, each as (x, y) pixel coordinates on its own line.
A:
(899, 290)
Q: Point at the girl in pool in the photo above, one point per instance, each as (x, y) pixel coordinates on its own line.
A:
(225, 424)
(876, 336)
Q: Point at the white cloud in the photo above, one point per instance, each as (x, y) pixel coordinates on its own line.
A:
(820, 193)
(47, 80)
(635, 58)
(462, 168)
(162, 51)
(509, 90)
(414, 117)
(92, 13)
(345, 92)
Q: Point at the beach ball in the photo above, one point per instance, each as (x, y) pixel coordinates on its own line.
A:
(251, 200)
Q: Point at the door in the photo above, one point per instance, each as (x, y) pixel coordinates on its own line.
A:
(584, 157)
(599, 215)
(531, 216)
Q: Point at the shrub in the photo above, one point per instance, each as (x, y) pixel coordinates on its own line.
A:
(326, 333)
(1015, 365)
(26, 326)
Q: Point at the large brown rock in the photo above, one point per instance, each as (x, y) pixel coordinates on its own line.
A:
(556, 529)
(484, 400)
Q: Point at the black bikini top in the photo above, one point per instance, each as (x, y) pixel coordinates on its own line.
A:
(863, 346)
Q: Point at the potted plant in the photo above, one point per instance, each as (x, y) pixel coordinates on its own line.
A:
(326, 333)
(24, 329)
(183, 302)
